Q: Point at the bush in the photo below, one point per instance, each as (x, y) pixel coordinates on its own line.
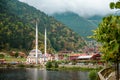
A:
(52, 64)
(49, 65)
(93, 75)
(2, 56)
(16, 54)
(31, 66)
(20, 65)
(56, 65)
(9, 66)
(74, 63)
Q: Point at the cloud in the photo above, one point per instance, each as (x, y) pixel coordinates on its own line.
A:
(84, 8)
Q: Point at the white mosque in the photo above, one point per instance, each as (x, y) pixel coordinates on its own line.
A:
(31, 58)
(35, 55)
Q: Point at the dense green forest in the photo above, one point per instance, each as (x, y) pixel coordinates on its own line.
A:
(17, 29)
(83, 26)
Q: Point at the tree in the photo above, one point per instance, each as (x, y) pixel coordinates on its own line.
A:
(115, 5)
(108, 33)
(2, 56)
(49, 65)
(16, 54)
(3, 6)
(93, 75)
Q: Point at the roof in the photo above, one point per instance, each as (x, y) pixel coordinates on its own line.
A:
(78, 54)
(88, 56)
(47, 55)
(34, 51)
(64, 52)
(85, 57)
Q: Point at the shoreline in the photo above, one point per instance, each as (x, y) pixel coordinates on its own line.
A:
(75, 68)
(60, 68)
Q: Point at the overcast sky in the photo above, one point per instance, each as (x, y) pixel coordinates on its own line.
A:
(85, 8)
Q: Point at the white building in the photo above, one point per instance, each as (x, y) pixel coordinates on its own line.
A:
(31, 58)
(41, 58)
(35, 55)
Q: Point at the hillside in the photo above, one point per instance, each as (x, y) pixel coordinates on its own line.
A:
(17, 23)
(83, 26)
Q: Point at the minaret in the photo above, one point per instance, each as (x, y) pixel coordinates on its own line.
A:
(36, 44)
(45, 43)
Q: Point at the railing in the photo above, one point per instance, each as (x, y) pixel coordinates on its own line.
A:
(104, 73)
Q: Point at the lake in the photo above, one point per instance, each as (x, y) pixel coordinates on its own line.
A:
(38, 74)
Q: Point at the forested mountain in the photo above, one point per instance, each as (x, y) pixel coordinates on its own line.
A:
(83, 26)
(17, 29)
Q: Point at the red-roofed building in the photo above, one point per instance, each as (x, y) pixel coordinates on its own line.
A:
(75, 56)
(69, 55)
(63, 55)
(89, 57)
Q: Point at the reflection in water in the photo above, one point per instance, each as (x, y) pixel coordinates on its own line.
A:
(37, 74)
(67, 75)
(44, 75)
(12, 74)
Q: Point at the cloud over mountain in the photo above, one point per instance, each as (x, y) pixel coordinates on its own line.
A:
(83, 8)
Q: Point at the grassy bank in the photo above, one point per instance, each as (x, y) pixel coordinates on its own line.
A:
(79, 68)
(14, 59)
(20, 66)
(54, 65)
(74, 68)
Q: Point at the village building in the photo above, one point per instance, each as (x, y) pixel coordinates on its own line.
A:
(93, 56)
(64, 55)
(48, 57)
(74, 56)
(69, 55)
(85, 56)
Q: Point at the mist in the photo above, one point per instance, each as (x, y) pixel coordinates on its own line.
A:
(85, 8)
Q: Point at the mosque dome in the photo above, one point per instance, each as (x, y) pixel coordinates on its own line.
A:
(33, 53)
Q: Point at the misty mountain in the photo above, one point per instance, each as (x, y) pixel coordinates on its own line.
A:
(83, 26)
(17, 29)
